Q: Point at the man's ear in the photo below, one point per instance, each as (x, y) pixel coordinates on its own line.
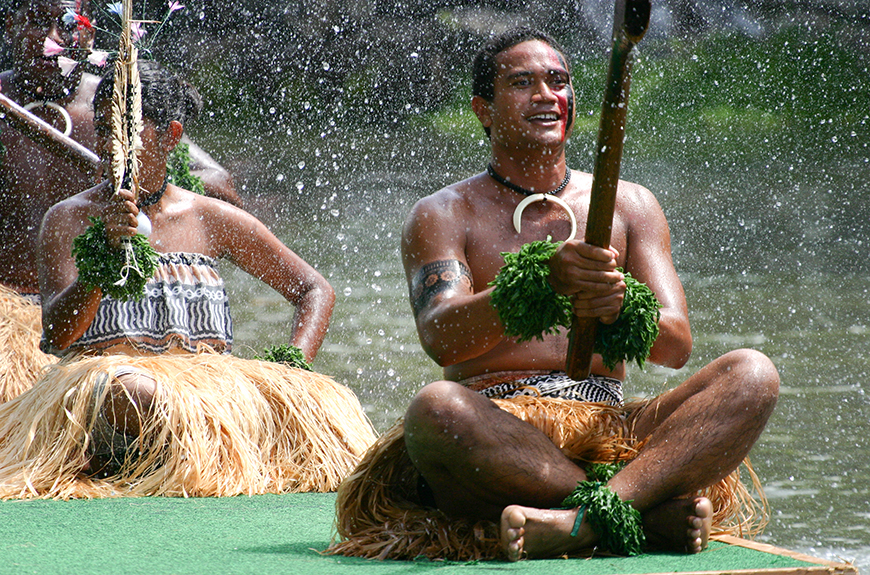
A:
(480, 107)
(173, 135)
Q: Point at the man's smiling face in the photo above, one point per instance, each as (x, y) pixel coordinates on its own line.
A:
(532, 98)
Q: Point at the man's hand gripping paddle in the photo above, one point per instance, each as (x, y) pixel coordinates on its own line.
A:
(630, 23)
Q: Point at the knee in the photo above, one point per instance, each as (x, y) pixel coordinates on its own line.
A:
(754, 378)
(440, 408)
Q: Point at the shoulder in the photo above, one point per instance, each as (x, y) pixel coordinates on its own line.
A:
(214, 211)
(92, 199)
(71, 215)
(636, 202)
(455, 201)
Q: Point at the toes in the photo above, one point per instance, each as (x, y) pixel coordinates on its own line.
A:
(515, 550)
(514, 534)
(516, 519)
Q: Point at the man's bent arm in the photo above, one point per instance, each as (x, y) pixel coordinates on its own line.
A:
(649, 261)
(215, 178)
(454, 323)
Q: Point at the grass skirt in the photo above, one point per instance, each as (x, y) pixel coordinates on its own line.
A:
(219, 426)
(379, 515)
(21, 362)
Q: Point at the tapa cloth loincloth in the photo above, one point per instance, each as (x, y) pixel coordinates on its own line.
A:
(219, 426)
(506, 385)
(380, 514)
(21, 361)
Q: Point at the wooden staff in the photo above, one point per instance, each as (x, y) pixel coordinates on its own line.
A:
(630, 22)
(49, 137)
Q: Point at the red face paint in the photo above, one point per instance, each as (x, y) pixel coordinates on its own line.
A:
(566, 97)
(563, 112)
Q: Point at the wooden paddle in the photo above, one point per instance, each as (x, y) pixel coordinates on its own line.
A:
(49, 137)
(630, 22)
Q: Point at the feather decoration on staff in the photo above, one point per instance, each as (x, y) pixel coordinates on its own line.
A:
(126, 123)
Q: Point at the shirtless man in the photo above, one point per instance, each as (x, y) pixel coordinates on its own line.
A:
(696, 434)
(31, 178)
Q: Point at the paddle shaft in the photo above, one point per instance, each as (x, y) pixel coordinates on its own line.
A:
(630, 22)
(49, 137)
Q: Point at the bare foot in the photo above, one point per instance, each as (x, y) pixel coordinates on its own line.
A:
(528, 532)
(680, 525)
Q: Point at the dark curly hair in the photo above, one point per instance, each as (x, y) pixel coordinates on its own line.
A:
(165, 96)
(484, 67)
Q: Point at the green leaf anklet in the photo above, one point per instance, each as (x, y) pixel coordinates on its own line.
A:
(119, 272)
(289, 354)
(617, 524)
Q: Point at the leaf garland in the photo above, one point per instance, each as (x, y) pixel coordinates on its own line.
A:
(604, 471)
(288, 354)
(100, 265)
(618, 525)
(178, 170)
(529, 307)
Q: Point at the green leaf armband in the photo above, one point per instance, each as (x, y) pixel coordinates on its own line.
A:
(119, 272)
(529, 307)
(288, 354)
(632, 335)
(618, 525)
(526, 303)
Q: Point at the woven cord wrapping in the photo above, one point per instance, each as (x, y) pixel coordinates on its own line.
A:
(617, 524)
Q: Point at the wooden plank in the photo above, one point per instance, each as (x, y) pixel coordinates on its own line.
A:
(824, 565)
(816, 566)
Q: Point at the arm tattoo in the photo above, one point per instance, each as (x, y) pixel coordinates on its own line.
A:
(437, 277)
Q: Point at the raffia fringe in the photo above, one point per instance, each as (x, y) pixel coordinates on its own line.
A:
(379, 516)
(220, 426)
(21, 362)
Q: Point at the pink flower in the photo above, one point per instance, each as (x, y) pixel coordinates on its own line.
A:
(67, 65)
(175, 5)
(137, 31)
(51, 48)
(98, 58)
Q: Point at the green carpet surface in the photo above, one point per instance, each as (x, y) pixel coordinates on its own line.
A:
(266, 534)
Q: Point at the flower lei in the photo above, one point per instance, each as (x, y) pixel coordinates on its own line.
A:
(99, 58)
(529, 307)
